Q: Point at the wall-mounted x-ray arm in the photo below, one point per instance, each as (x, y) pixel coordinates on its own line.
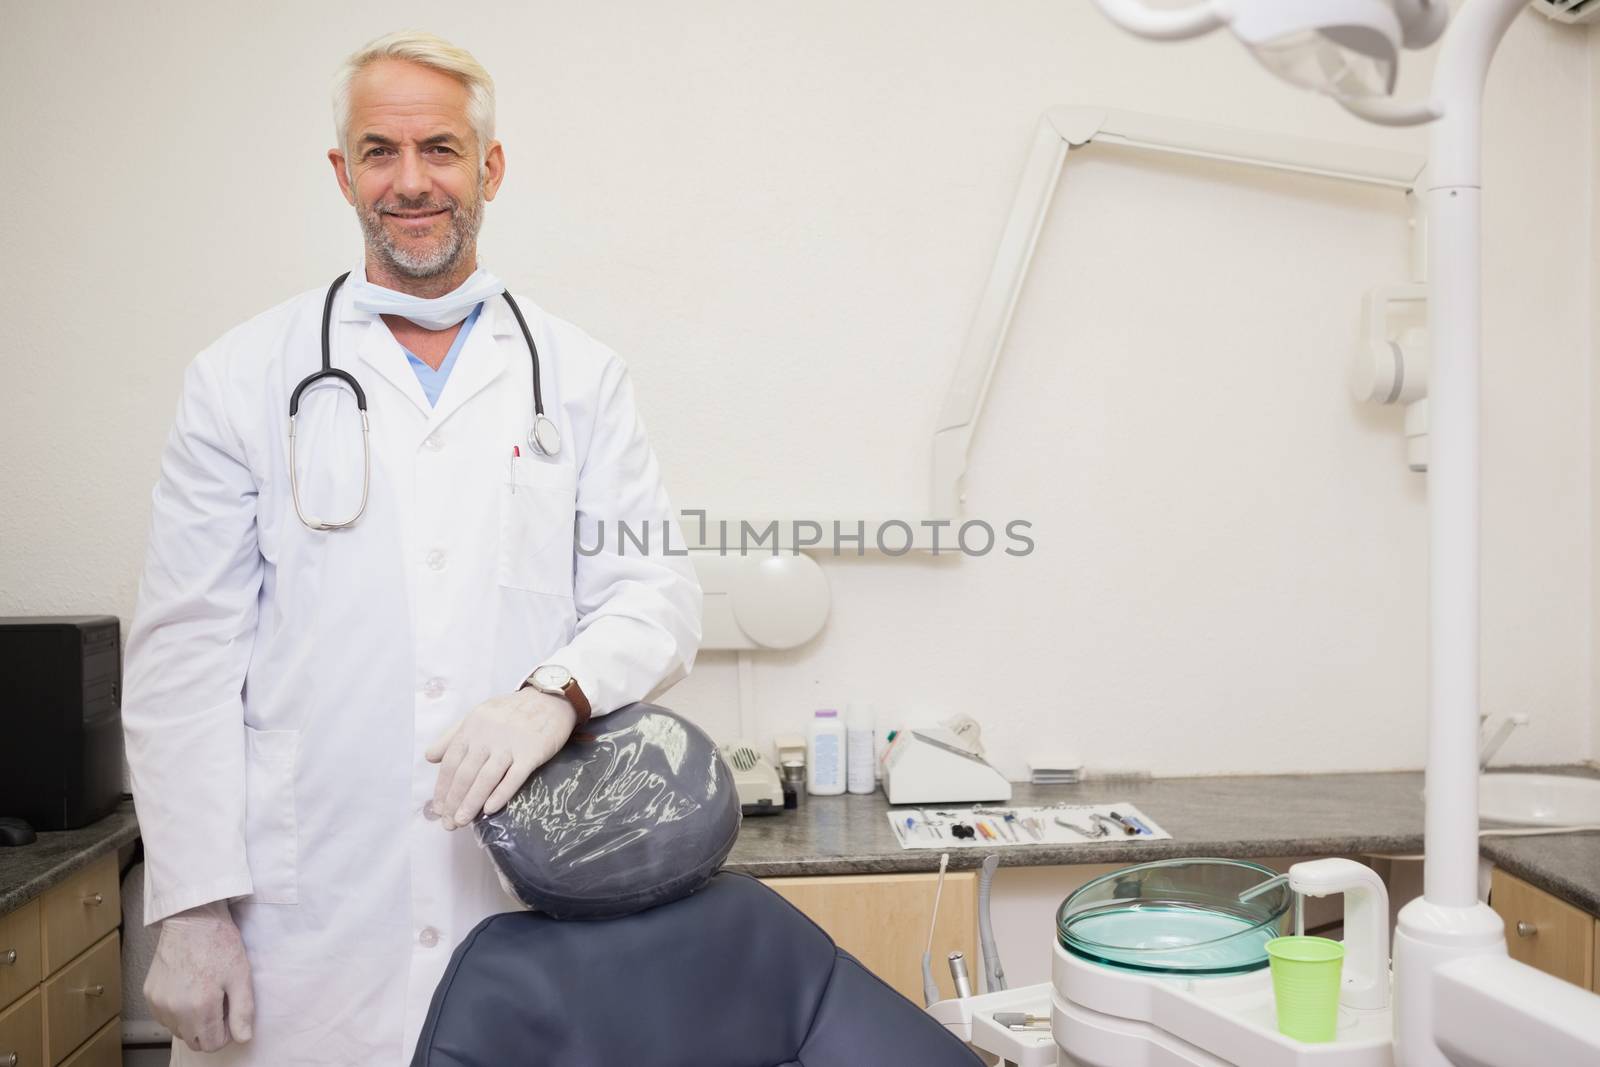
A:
(1063, 130)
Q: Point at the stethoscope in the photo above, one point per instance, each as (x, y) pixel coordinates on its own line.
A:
(543, 437)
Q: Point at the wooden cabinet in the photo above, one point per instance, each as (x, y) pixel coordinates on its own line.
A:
(1544, 932)
(104, 1049)
(20, 969)
(61, 974)
(22, 1032)
(882, 920)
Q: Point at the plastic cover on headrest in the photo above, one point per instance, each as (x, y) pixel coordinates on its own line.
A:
(639, 811)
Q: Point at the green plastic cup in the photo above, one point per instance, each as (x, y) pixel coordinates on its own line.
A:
(1305, 986)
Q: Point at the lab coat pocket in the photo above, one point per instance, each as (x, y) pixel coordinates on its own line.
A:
(271, 838)
(537, 509)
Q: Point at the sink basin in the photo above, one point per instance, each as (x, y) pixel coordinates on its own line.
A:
(1539, 799)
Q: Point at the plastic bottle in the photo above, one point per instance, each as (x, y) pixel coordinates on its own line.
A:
(825, 762)
(860, 760)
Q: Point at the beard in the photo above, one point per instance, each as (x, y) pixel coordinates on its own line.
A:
(432, 260)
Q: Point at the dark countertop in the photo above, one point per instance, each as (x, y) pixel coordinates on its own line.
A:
(1563, 865)
(1240, 817)
(28, 870)
(1271, 815)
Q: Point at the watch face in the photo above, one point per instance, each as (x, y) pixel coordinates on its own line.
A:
(552, 678)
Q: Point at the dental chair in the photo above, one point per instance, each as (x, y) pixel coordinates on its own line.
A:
(730, 976)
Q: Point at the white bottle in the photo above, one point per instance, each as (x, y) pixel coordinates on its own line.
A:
(860, 762)
(825, 760)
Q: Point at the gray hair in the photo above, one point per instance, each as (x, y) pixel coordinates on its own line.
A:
(428, 50)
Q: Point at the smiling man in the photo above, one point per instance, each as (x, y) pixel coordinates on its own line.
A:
(355, 637)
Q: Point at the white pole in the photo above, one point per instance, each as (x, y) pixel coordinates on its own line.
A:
(1448, 923)
(1454, 184)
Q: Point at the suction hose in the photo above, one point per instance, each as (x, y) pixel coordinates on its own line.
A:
(930, 988)
(994, 975)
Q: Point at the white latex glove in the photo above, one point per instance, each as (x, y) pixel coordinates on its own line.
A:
(488, 755)
(199, 984)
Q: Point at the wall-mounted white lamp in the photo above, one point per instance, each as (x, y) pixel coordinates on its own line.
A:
(1347, 49)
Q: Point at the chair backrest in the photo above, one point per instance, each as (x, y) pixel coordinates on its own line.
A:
(731, 976)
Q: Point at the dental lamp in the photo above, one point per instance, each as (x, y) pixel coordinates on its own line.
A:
(1458, 998)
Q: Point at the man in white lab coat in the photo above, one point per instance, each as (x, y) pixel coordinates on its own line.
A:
(311, 712)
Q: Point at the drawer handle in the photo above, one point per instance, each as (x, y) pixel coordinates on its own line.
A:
(1526, 929)
(8, 957)
(93, 991)
(93, 900)
(10, 1060)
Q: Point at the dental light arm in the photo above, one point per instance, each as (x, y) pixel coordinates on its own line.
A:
(1178, 25)
(1382, 112)
(1348, 49)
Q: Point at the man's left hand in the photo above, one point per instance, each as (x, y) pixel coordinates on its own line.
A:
(486, 757)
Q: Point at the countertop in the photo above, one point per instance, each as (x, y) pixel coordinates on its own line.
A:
(28, 870)
(1242, 817)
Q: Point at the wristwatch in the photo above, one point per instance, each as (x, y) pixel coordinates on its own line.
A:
(558, 681)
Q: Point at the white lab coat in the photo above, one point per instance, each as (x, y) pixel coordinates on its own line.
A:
(282, 684)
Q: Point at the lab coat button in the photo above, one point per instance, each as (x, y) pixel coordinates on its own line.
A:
(432, 442)
(435, 560)
(428, 938)
(434, 688)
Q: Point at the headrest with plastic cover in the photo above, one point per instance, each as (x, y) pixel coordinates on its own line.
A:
(639, 811)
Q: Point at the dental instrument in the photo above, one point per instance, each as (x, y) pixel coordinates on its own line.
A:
(930, 988)
(1127, 826)
(1107, 825)
(1096, 831)
(1020, 1019)
(958, 974)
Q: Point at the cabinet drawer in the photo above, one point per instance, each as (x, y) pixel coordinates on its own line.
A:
(81, 998)
(79, 912)
(20, 970)
(1543, 932)
(22, 1032)
(882, 920)
(104, 1049)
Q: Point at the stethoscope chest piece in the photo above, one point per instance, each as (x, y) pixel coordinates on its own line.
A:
(544, 438)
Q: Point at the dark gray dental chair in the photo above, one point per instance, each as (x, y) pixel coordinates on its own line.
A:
(636, 953)
(731, 976)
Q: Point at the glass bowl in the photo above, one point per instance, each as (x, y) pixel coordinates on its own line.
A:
(1178, 917)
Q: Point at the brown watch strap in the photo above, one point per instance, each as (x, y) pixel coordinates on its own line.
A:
(579, 702)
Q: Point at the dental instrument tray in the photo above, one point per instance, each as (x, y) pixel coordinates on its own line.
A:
(982, 826)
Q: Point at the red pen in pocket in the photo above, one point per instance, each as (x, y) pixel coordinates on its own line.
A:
(516, 454)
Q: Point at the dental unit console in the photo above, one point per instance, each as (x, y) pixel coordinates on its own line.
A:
(941, 765)
(754, 779)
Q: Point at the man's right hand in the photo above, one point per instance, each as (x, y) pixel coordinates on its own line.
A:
(199, 984)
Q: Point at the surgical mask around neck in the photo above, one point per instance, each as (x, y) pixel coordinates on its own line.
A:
(439, 313)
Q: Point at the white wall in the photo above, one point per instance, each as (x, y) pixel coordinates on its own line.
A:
(1594, 383)
(782, 215)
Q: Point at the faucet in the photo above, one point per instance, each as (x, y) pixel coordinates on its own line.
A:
(1487, 748)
